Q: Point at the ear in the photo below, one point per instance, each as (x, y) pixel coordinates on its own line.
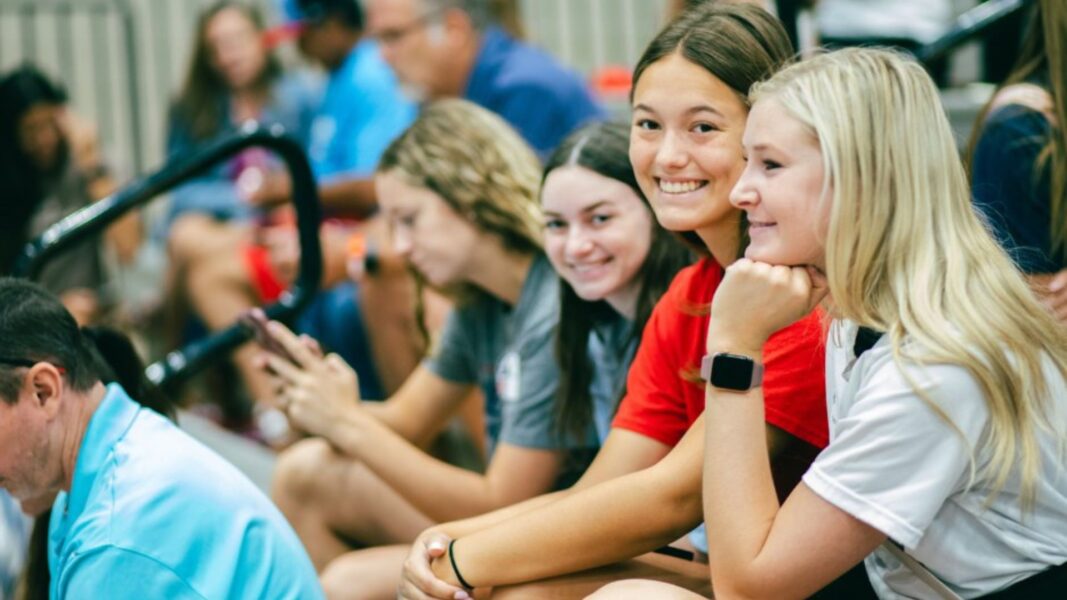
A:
(455, 26)
(45, 385)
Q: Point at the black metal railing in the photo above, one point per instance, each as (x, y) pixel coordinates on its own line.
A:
(93, 219)
(970, 26)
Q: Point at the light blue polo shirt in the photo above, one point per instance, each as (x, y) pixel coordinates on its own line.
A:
(362, 111)
(152, 513)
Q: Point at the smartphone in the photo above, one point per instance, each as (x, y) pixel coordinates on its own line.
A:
(255, 320)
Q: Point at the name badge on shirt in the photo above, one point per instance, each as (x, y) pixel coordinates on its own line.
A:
(508, 377)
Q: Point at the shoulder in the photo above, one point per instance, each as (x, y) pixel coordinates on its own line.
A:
(519, 68)
(1010, 120)
(695, 283)
(297, 88)
(366, 68)
(908, 389)
(159, 471)
(1027, 96)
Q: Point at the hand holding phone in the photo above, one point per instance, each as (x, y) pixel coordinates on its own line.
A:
(255, 320)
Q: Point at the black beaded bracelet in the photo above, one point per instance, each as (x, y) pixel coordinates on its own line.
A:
(455, 569)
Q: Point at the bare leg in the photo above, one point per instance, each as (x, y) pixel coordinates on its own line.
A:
(219, 291)
(641, 589)
(681, 573)
(365, 574)
(335, 503)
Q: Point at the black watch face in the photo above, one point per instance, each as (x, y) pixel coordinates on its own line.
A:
(731, 372)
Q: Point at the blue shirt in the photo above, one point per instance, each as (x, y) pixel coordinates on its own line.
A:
(152, 513)
(1012, 191)
(362, 111)
(542, 100)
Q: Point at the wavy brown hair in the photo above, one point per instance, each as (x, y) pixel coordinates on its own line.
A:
(480, 167)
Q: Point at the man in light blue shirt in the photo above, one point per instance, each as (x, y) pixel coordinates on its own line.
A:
(142, 510)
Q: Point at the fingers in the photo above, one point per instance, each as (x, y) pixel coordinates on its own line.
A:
(284, 369)
(419, 580)
(311, 344)
(1058, 283)
(293, 345)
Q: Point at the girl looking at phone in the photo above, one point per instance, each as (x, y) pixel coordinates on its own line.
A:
(459, 190)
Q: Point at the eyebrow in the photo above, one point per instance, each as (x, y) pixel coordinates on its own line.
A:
(587, 209)
(689, 111)
(763, 147)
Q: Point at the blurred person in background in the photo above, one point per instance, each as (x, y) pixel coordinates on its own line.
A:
(233, 78)
(360, 112)
(453, 48)
(1019, 158)
(52, 165)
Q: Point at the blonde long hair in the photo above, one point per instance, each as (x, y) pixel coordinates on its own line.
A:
(906, 253)
(479, 166)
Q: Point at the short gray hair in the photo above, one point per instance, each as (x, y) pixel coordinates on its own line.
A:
(480, 14)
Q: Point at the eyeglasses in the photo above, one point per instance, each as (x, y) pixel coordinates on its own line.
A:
(25, 362)
(388, 37)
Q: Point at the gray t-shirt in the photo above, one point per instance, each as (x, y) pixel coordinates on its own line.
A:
(508, 352)
(611, 350)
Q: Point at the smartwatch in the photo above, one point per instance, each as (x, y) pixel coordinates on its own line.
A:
(731, 371)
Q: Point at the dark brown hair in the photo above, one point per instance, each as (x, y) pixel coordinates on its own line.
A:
(604, 149)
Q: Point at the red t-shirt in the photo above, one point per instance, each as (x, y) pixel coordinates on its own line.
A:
(661, 403)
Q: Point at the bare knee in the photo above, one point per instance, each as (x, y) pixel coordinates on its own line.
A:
(370, 573)
(300, 472)
(640, 589)
(185, 239)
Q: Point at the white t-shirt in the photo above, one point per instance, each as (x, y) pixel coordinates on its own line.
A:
(897, 466)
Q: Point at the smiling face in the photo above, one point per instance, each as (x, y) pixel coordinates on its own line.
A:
(685, 146)
(781, 189)
(437, 241)
(597, 235)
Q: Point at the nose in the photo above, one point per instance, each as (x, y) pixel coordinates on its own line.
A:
(672, 153)
(578, 243)
(744, 194)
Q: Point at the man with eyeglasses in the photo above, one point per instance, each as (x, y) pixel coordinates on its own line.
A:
(451, 48)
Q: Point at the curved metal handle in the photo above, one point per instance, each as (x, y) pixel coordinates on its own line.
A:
(93, 219)
(968, 26)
